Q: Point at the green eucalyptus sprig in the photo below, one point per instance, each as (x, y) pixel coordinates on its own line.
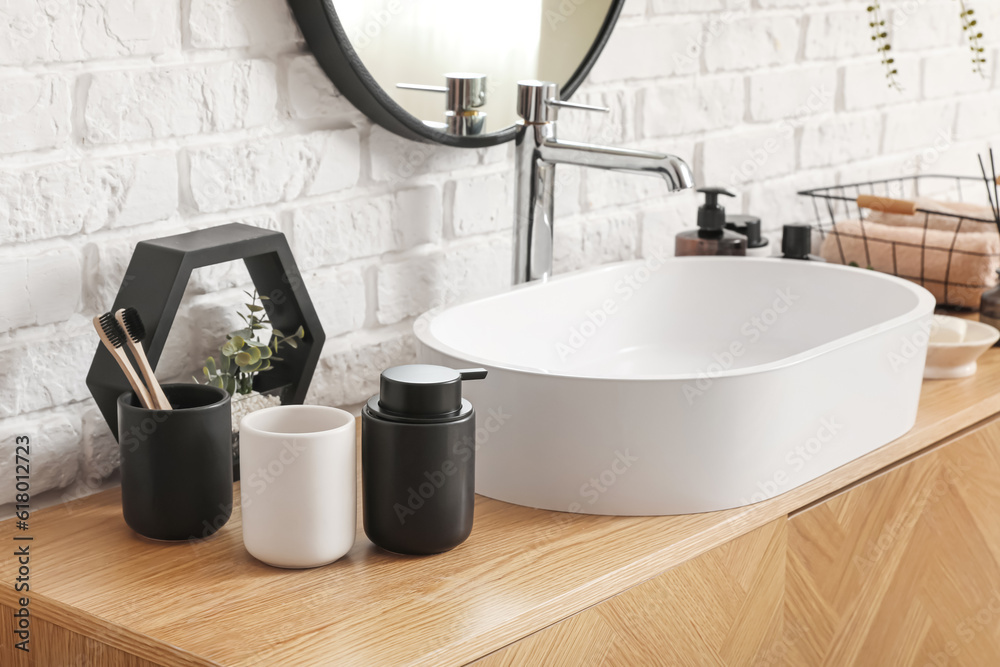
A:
(881, 38)
(243, 356)
(974, 35)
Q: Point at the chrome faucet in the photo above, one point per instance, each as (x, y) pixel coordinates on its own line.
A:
(538, 151)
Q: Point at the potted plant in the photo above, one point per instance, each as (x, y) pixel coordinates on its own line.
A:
(244, 356)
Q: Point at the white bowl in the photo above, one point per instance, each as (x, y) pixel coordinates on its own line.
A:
(958, 360)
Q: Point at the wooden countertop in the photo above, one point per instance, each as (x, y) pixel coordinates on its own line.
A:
(521, 570)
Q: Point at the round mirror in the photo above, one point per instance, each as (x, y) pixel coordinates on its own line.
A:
(447, 70)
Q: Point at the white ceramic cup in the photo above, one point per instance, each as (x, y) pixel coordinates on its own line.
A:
(298, 484)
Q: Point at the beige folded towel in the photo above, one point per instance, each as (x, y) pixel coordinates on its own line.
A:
(942, 222)
(955, 268)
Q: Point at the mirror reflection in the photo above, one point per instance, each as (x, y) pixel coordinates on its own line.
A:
(420, 43)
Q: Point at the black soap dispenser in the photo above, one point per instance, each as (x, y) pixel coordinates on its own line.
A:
(418, 459)
(711, 237)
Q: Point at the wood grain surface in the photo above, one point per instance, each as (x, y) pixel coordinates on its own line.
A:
(55, 646)
(209, 602)
(722, 608)
(904, 569)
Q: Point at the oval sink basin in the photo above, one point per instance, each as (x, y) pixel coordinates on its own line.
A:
(685, 385)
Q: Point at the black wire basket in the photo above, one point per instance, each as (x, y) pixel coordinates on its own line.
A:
(929, 229)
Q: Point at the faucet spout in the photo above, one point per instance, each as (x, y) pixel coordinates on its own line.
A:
(537, 152)
(670, 168)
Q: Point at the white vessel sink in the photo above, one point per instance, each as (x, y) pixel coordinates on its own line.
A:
(686, 385)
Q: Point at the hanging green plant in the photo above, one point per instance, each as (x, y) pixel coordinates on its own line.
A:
(880, 35)
(881, 38)
(974, 35)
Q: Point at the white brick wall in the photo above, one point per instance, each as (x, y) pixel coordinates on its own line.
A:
(142, 104)
(129, 119)
(269, 170)
(35, 111)
(62, 197)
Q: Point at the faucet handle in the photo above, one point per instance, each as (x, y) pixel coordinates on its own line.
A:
(575, 105)
(535, 99)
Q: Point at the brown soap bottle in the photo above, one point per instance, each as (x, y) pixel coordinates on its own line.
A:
(711, 237)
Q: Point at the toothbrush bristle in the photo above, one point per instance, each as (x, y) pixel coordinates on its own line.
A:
(112, 330)
(133, 325)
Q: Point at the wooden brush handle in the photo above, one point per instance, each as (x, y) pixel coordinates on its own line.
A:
(887, 205)
(133, 378)
(124, 364)
(159, 398)
(160, 401)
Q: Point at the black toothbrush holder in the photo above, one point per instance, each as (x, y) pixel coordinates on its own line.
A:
(176, 465)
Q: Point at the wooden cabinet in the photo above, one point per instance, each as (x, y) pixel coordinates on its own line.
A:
(901, 569)
(721, 608)
(55, 646)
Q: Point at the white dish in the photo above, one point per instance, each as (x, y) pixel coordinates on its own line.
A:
(947, 329)
(949, 360)
(684, 385)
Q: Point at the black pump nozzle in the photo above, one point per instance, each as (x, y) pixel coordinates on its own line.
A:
(712, 195)
(423, 391)
(712, 216)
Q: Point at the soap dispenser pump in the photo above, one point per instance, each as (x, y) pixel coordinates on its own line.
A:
(711, 237)
(418, 459)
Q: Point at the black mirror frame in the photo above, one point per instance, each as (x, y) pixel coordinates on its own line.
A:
(329, 43)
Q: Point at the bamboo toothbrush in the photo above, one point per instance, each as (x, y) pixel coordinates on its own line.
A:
(135, 332)
(113, 338)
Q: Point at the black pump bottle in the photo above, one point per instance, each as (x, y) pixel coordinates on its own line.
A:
(418, 460)
(711, 237)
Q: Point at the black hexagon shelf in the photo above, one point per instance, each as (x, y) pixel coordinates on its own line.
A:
(155, 281)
